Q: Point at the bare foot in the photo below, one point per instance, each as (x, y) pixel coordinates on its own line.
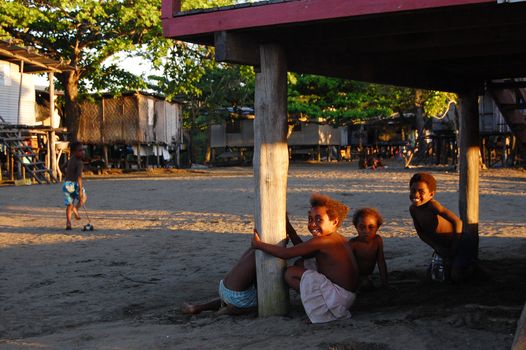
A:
(76, 213)
(190, 309)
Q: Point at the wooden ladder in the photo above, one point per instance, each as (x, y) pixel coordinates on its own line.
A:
(35, 169)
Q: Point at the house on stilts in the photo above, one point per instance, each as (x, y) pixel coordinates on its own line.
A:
(465, 46)
(28, 148)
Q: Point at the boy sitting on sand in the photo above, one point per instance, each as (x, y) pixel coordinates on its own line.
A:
(368, 247)
(440, 228)
(73, 188)
(326, 285)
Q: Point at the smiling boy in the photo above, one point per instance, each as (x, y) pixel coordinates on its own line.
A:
(368, 246)
(440, 228)
(327, 288)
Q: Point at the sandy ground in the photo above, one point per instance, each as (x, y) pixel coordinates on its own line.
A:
(161, 241)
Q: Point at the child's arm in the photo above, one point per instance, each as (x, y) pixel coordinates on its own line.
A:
(302, 249)
(449, 216)
(380, 260)
(424, 236)
(79, 181)
(455, 222)
(292, 234)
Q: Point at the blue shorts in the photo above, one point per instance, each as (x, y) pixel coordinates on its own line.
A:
(71, 191)
(242, 300)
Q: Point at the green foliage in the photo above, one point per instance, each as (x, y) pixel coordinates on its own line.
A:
(188, 5)
(208, 88)
(84, 32)
(341, 101)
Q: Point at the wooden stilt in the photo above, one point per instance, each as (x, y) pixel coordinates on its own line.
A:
(519, 342)
(271, 163)
(138, 156)
(52, 149)
(105, 155)
(469, 163)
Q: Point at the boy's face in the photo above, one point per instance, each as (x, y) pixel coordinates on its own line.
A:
(79, 152)
(319, 222)
(367, 226)
(420, 194)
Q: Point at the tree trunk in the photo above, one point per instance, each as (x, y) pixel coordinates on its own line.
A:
(70, 82)
(420, 124)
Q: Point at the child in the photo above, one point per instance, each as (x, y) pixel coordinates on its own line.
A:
(237, 290)
(440, 228)
(368, 247)
(73, 188)
(326, 286)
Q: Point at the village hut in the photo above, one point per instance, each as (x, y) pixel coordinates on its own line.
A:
(27, 138)
(232, 140)
(148, 123)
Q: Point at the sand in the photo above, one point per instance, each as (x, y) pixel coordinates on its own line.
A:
(160, 241)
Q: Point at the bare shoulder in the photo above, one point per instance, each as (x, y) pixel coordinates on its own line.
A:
(378, 240)
(435, 205)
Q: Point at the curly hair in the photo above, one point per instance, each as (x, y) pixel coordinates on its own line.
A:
(427, 178)
(363, 212)
(75, 146)
(335, 209)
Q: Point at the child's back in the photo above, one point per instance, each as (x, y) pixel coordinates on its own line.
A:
(335, 261)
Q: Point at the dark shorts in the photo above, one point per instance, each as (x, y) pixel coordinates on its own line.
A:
(466, 251)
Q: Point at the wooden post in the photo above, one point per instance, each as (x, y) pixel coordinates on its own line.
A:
(138, 156)
(52, 150)
(469, 163)
(271, 164)
(105, 156)
(519, 341)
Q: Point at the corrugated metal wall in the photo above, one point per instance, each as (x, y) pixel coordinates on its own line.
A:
(9, 91)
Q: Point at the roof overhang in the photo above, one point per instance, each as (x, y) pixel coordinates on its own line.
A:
(34, 62)
(447, 45)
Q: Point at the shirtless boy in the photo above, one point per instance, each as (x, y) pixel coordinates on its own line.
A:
(327, 287)
(440, 228)
(368, 246)
(237, 291)
(73, 187)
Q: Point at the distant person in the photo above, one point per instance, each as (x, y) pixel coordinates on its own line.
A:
(441, 229)
(73, 187)
(368, 247)
(327, 282)
(237, 291)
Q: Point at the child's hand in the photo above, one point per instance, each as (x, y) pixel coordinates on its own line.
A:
(255, 239)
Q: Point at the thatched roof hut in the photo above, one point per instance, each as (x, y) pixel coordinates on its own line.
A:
(130, 118)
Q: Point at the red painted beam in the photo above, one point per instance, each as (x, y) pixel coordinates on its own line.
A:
(169, 8)
(295, 11)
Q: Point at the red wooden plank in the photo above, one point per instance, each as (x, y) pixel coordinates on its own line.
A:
(291, 12)
(169, 8)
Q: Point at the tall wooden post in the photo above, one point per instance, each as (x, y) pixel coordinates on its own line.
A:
(519, 341)
(138, 155)
(271, 162)
(469, 163)
(52, 150)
